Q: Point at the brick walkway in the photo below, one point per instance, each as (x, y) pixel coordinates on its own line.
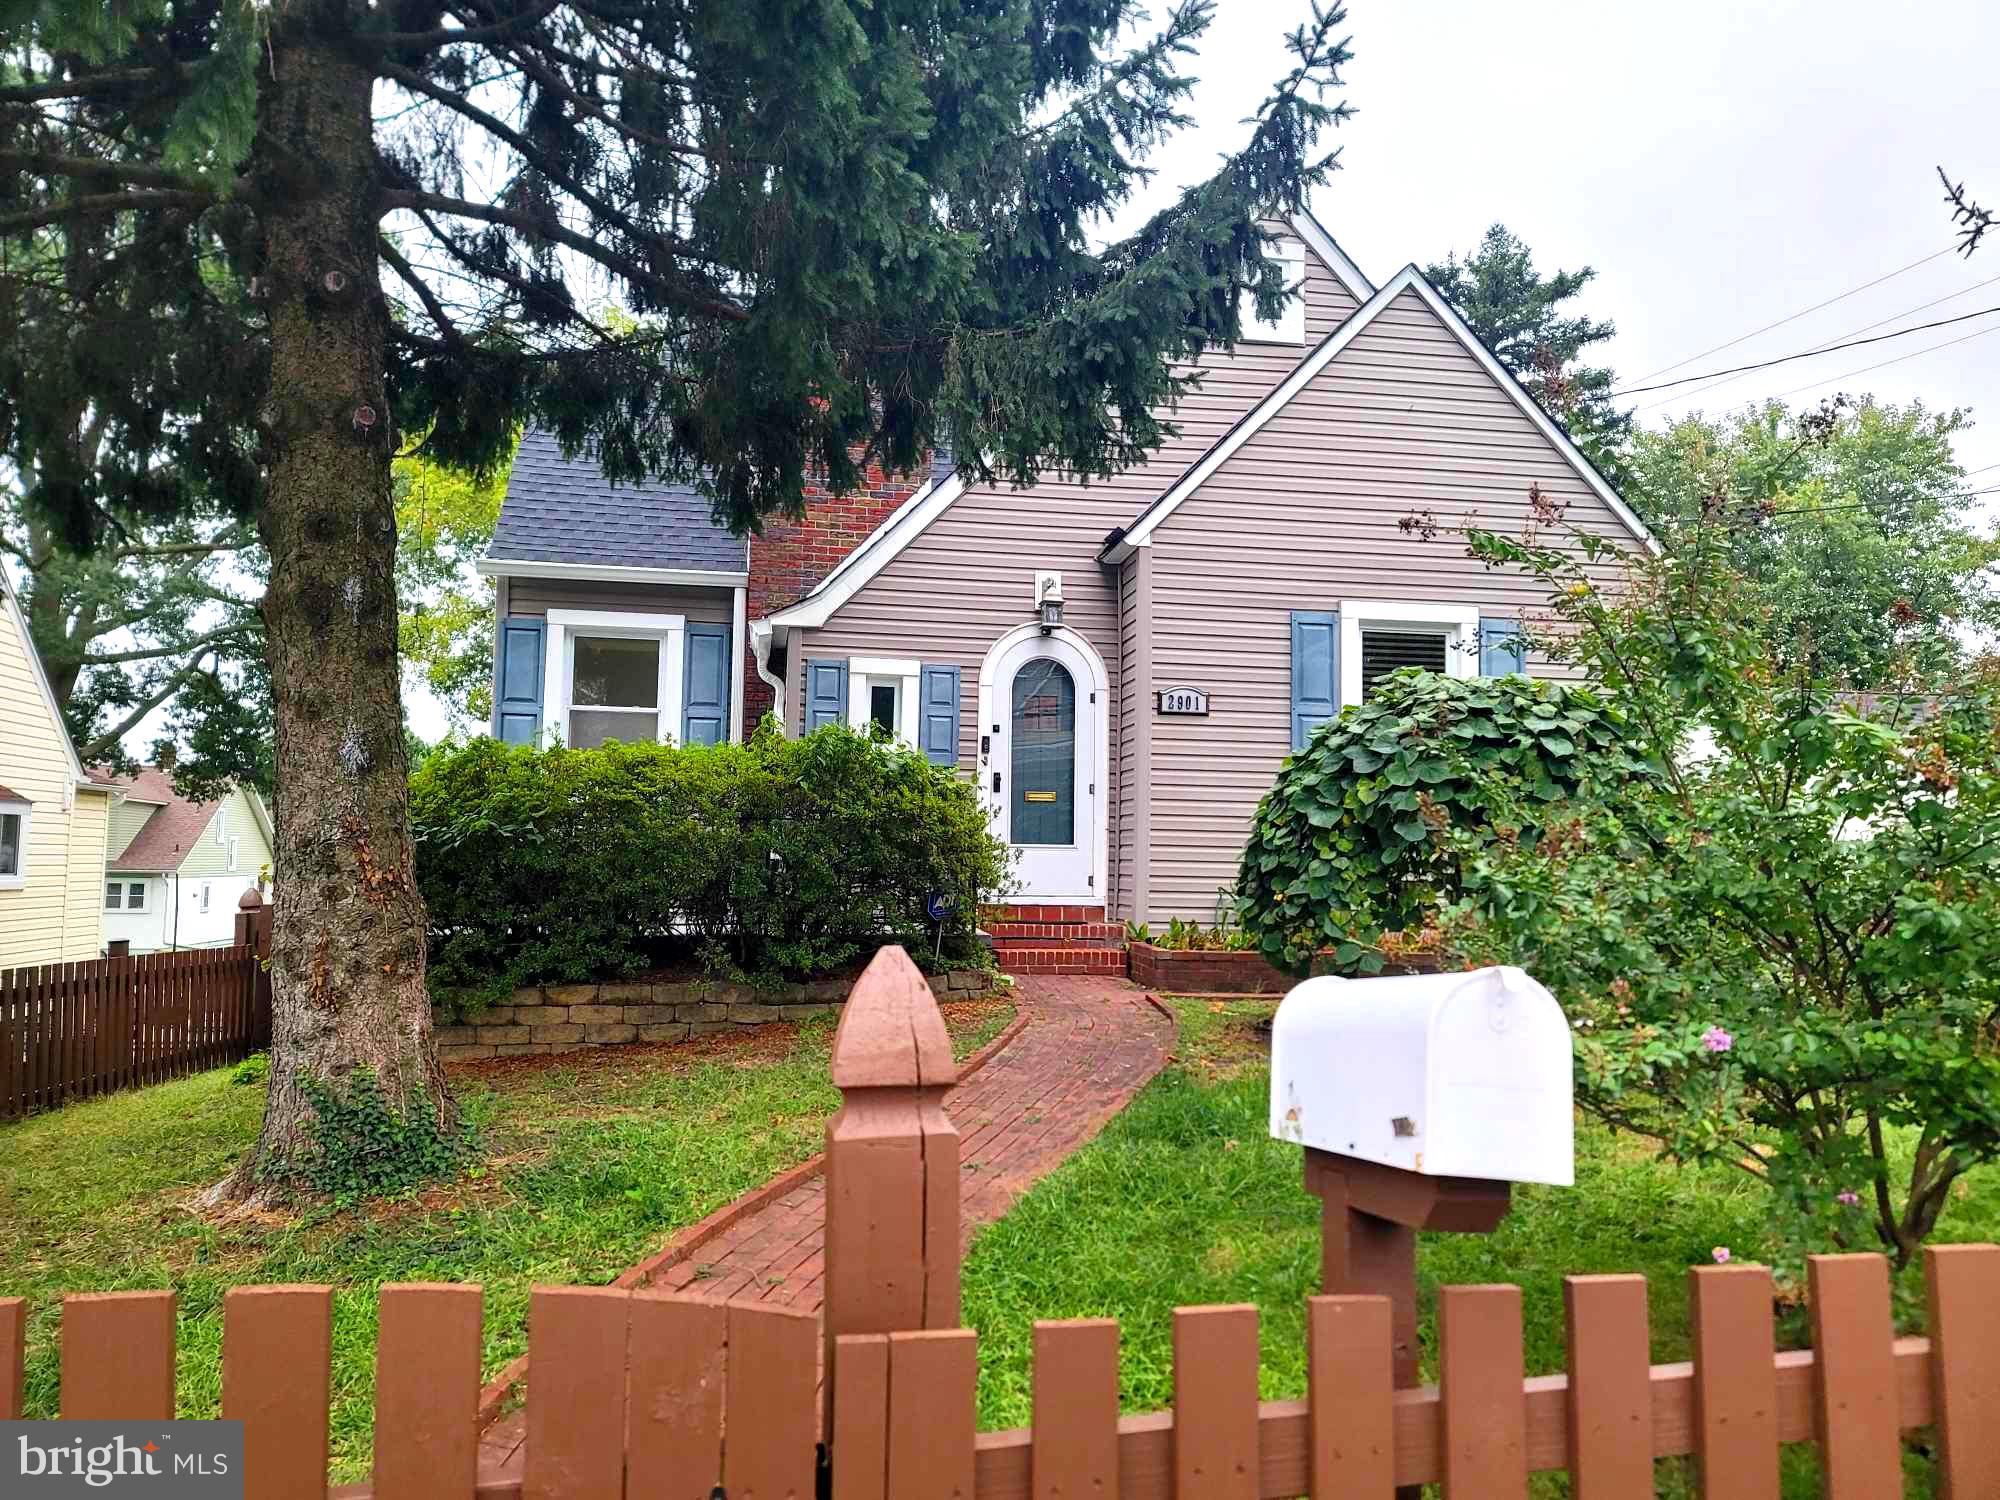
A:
(1090, 1044)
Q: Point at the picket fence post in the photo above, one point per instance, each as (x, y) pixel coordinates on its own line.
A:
(892, 1214)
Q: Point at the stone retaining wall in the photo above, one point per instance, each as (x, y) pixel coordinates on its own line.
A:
(568, 1017)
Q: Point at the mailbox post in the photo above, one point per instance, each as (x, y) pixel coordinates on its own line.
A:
(1418, 1099)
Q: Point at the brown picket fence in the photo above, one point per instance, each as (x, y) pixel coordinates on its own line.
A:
(637, 1393)
(74, 1031)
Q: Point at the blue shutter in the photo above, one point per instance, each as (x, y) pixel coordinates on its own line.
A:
(826, 694)
(937, 715)
(1315, 671)
(1502, 650)
(517, 679)
(705, 686)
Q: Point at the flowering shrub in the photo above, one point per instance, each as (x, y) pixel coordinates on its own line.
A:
(1783, 951)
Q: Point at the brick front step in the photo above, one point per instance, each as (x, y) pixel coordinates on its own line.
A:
(1031, 912)
(1044, 932)
(1062, 960)
(1058, 940)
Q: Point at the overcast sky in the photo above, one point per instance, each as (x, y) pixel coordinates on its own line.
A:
(1721, 164)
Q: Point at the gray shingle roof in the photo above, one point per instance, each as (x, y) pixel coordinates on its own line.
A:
(565, 510)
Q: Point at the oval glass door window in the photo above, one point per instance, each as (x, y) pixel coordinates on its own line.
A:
(1044, 756)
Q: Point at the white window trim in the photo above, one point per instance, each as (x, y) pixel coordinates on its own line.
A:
(22, 811)
(235, 853)
(1457, 623)
(125, 892)
(564, 625)
(1291, 325)
(867, 672)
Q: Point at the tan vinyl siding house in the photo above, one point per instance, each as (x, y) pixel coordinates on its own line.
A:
(53, 818)
(1251, 568)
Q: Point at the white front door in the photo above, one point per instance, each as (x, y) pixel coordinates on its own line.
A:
(1042, 774)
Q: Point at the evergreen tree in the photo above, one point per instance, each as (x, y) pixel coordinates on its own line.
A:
(306, 233)
(1515, 311)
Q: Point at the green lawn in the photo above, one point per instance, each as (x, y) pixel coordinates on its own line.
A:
(1184, 1199)
(594, 1160)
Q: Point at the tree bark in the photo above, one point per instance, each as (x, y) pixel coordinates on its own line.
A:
(347, 960)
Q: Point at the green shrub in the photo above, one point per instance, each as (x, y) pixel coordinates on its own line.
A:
(782, 856)
(254, 1069)
(1364, 832)
(363, 1148)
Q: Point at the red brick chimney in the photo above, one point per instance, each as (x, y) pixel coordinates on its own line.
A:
(791, 556)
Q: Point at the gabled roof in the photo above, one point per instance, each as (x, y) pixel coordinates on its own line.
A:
(169, 835)
(562, 515)
(12, 606)
(909, 520)
(1120, 544)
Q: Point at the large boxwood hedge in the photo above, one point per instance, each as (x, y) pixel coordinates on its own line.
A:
(781, 857)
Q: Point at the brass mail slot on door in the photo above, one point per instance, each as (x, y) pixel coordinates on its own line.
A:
(1038, 796)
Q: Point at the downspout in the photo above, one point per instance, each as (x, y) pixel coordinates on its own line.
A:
(760, 653)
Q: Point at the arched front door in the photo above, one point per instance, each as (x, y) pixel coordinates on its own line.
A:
(1041, 771)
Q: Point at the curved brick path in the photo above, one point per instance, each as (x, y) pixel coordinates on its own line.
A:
(1090, 1043)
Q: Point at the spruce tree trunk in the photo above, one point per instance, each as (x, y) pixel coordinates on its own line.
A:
(347, 961)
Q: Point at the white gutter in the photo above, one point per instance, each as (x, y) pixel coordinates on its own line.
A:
(507, 567)
(760, 652)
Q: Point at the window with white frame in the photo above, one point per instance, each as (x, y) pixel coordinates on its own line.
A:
(1378, 636)
(613, 676)
(882, 692)
(235, 851)
(13, 844)
(202, 900)
(1290, 325)
(125, 895)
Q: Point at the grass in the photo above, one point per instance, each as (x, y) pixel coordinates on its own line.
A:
(593, 1161)
(1184, 1200)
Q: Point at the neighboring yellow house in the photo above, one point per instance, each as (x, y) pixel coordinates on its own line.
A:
(53, 817)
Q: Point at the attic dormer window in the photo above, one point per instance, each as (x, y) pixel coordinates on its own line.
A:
(1290, 325)
(13, 844)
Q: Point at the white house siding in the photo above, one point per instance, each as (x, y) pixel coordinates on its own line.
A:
(1302, 516)
(145, 929)
(969, 578)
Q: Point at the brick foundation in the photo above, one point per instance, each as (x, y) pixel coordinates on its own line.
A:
(572, 1017)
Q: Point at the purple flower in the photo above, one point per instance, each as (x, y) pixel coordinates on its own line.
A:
(1848, 1199)
(1721, 1254)
(1715, 1039)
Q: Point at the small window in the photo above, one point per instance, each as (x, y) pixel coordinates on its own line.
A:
(1384, 651)
(13, 846)
(1290, 325)
(114, 896)
(203, 908)
(614, 691)
(882, 706)
(235, 852)
(125, 895)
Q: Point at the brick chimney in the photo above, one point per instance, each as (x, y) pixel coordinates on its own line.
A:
(791, 556)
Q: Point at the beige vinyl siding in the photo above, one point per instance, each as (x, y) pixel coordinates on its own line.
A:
(969, 578)
(127, 818)
(537, 596)
(1131, 748)
(209, 854)
(1303, 516)
(56, 917)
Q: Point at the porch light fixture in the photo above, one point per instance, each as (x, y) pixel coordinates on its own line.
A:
(1048, 601)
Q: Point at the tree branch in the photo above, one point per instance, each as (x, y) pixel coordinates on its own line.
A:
(632, 270)
(154, 653)
(108, 740)
(53, 164)
(95, 83)
(100, 205)
(425, 295)
(424, 41)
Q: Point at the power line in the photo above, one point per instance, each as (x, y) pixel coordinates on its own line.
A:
(1826, 346)
(1732, 343)
(1785, 359)
(1979, 333)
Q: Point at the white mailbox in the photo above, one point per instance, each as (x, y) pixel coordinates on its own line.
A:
(1449, 1075)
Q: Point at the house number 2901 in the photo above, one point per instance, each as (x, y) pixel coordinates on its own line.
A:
(1183, 700)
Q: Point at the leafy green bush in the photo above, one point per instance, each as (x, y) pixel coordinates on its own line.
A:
(1784, 951)
(254, 1069)
(782, 856)
(1365, 830)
